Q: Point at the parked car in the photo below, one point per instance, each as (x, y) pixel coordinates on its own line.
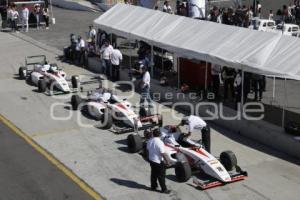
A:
(262, 24)
(287, 29)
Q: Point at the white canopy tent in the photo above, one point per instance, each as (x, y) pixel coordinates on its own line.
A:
(253, 51)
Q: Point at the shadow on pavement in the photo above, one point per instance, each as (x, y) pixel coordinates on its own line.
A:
(129, 184)
(253, 144)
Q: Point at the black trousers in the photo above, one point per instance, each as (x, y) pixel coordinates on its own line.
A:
(158, 173)
(107, 68)
(46, 19)
(115, 72)
(228, 84)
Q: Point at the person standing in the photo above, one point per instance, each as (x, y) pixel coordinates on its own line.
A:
(158, 160)
(46, 17)
(215, 72)
(105, 52)
(145, 86)
(37, 10)
(228, 76)
(24, 17)
(116, 59)
(91, 34)
(15, 17)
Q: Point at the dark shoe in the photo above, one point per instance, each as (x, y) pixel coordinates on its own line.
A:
(154, 189)
(166, 191)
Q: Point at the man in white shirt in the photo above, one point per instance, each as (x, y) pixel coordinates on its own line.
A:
(194, 122)
(15, 17)
(80, 49)
(116, 59)
(145, 86)
(92, 33)
(106, 51)
(24, 17)
(157, 160)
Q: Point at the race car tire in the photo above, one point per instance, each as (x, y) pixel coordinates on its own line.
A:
(106, 120)
(42, 85)
(22, 72)
(75, 101)
(75, 81)
(134, 143)
(145, 152)
(183, 171)
(228, 160)
(160, 121)
(143, 112)
(206, 141)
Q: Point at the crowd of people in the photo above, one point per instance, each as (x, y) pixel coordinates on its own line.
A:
(232, 81)
(96, 44)
(25, 17)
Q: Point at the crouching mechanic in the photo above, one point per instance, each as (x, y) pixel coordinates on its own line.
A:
(194, 122)
(158, 159)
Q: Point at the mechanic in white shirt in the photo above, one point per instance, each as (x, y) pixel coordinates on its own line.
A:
(105, 52)
(24, 17)
(116, 59)
(145, 86)
(193, 122)
(157, 159)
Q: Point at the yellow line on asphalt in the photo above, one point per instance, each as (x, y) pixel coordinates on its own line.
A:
(85, 187)
(52, 132)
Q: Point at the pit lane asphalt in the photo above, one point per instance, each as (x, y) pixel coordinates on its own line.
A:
(27, 175)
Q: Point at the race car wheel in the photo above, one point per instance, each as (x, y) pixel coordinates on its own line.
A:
(143, 112)
(183, 171)
(106, 120)
(22, 72)
(42, 85)
(75, 81)
(75, 101)
(228, 160)
(160, 120)
(134, 143)
(206, 138)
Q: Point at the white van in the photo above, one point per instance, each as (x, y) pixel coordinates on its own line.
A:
(287, 29)
(262, 24)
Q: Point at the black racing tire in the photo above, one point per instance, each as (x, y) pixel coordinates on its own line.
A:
(22, 72)
(106, 120)
(76, 101)
(183, 171)
(228, 160)
(206, 140)
(75, 81)
(134, 143)
(143, 112)
(160, 121)
(42, 85)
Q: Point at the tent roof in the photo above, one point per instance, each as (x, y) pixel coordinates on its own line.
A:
(241, 48)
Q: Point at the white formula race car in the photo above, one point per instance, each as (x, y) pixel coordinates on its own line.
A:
(46, 76)
(103, 105)
(207, 170)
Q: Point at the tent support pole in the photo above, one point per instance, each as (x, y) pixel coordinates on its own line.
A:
(274, 86)
(242, 92)
(152, 61)
(284, 104)
(130, 62)
(205, 84)
(162, 60)
(178, 72)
